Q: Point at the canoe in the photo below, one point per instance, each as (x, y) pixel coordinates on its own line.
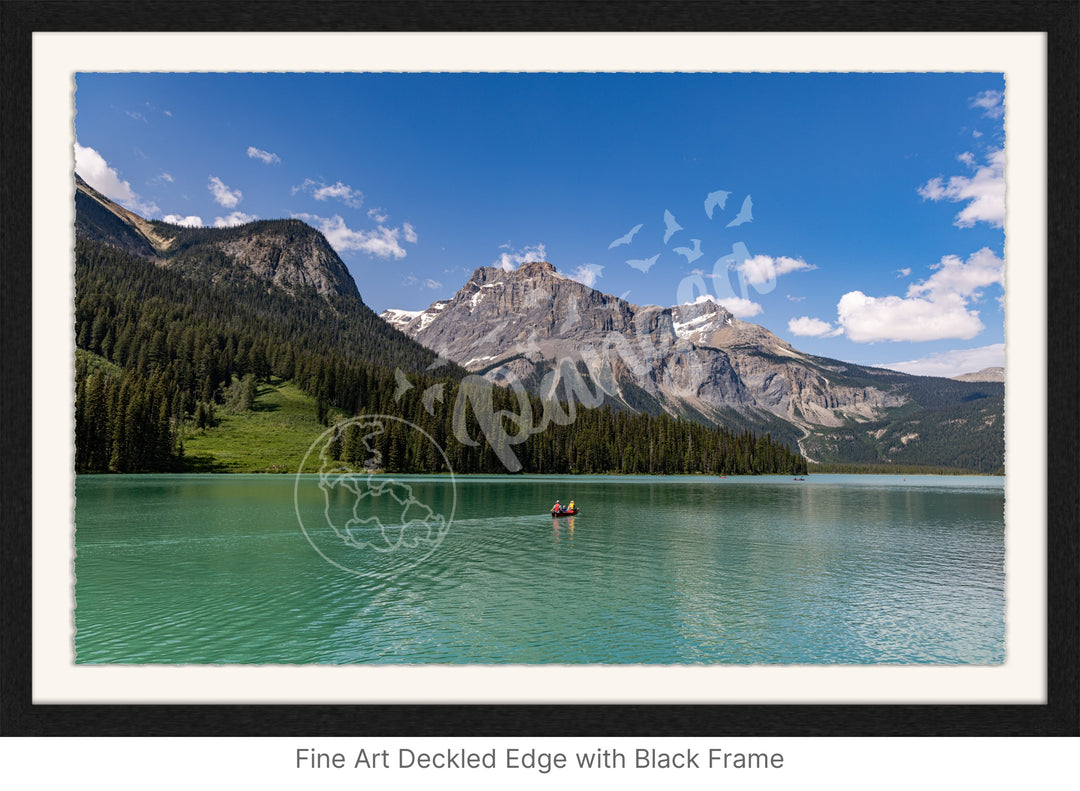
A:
(565, 513)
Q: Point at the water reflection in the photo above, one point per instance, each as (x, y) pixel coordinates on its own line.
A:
(181, 569)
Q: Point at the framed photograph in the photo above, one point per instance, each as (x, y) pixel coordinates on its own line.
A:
(685, 371)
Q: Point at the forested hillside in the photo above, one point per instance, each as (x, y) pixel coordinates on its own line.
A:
(182, 344)
(167, 350)
(944, 423)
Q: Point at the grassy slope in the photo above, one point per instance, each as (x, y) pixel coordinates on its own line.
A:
(273, 437)
(95, 363)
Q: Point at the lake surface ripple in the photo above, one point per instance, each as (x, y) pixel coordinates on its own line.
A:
(668, 570)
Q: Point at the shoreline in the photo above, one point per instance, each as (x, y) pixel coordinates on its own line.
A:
(511, 475)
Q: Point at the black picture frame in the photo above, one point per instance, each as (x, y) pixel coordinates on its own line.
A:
(1060, 21)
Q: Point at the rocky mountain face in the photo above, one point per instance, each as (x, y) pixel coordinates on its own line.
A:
(534, 328)
(563, 339)
(992, 374)
(287, 253)
(100, 220)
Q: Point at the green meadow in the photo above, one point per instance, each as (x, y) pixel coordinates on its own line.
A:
(271, 437)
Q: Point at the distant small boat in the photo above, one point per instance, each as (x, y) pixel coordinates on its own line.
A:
(565, 513)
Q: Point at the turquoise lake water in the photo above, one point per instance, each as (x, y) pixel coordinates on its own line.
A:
(660, 570)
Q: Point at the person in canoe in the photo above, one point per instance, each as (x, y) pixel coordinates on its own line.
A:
(571, 506)
(557, 509)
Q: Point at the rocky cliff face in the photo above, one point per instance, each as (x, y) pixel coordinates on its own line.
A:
(783, 380)
(287, 253)
(559, 337)
(100, 220)
(554, 334)
(993, 374)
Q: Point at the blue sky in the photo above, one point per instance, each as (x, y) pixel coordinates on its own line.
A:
(858, 216)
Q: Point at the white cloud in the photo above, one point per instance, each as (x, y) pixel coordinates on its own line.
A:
(338, 191)
(191, 221)
(224, 196)
(955, 276)
(381, 242)
(795, 299)
(992, 103)
(587, 274)
(740, 308)
(985, 192)
(433, 284)
(165, 177)
(932, 309)
(96, 172)
(137, 116)
(701, 299)
(410, 233)
(953, 363)
(265, 156)
(871, 319)
(510, 261)
(967, 158)
(903, 272)
(814, 328)
(234, 219)
(764, 268)
(410, 280)
(378, 215)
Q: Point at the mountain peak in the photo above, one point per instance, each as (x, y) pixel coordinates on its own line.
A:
(288, 253)
(564, 340)
(487, 274)
(536, 267)
(992, 374)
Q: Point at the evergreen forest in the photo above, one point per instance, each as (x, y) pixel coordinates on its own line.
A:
(164, 353)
